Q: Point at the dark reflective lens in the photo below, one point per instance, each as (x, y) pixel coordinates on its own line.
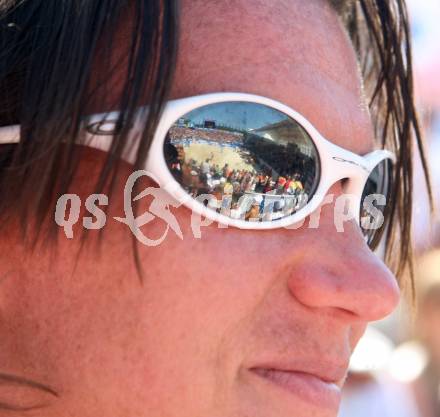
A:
(245, 160)
(375, 201)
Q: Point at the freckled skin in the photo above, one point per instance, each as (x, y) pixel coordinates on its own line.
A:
(179, 345)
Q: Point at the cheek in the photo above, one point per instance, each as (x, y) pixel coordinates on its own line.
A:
(215, 280)
(86, 325)
(97, 332)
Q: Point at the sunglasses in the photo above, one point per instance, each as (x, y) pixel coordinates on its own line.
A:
(248, 161)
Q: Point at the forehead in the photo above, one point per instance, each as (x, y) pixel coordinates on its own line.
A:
(293, 51)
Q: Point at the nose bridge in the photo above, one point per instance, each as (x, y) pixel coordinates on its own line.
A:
(337, 270)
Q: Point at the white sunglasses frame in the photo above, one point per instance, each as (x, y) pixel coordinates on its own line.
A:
(336, 163)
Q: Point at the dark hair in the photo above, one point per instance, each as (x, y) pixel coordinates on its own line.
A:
(380, 32)
(47, 52)
(47, 49)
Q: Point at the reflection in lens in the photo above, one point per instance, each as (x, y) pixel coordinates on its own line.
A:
(258, 163)
(374, 202)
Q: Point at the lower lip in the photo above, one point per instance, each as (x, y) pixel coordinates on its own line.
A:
(306, 387)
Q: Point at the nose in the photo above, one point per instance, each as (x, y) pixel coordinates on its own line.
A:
(337, 270)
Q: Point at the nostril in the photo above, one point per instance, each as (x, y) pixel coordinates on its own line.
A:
(344, 183)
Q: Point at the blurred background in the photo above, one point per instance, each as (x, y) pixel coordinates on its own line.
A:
(395, 370)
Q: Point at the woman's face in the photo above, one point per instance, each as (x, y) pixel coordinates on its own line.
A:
(212, 310)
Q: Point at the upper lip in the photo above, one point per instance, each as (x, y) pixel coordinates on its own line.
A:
(327, 370)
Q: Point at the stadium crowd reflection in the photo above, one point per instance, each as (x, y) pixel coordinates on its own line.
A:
(258, 174)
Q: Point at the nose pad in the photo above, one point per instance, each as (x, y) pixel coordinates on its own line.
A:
(346, 209)
(340, 205)
(352, 189)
